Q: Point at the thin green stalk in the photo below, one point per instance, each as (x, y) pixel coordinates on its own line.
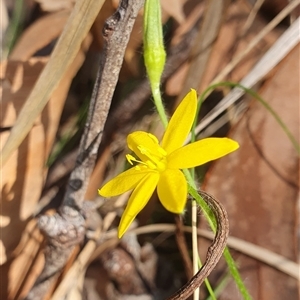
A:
(191, 182)
(220, 287)
(163, 117)
(193, 131)
(230, 262)
(211, 292)
(154, 57)
(13, 28)
(235, 274)
(159, 105)
(194, 218)
(210, 216)
(196, 257)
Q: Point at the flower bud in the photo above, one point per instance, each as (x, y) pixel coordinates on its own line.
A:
(154, 51)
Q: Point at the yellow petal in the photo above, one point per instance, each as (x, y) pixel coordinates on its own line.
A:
(138, 200)
(145, 145)
(181, 122)
(201, 152)
(172, 190)
(125, 181)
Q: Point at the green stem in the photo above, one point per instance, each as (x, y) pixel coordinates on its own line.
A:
(191, 182)
(13, 28)
(158, 104)
(230, 262)
(208, 286)
(210, 290)
(193, 131)
(209, 215)
(220, 287)
(196, 258)
(235, 274)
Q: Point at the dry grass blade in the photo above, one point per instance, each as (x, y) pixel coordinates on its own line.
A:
(252, 15)
(268, 257)
(273, 56)
(79, 23)
(285, 12)
(76, 270)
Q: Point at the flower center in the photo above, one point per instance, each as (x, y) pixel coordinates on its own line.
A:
(154, 160)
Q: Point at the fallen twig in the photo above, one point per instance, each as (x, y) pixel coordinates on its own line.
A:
(66, 229)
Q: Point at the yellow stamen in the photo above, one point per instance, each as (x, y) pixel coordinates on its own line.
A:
(155, 161)
(132, 159)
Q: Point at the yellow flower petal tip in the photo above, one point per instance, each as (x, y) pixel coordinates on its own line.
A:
(159, 165)
(180, 124)
(122, 229)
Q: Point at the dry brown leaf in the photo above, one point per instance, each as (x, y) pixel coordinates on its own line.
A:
(64, 53)
(28, 251)
(47, 29)
(259, 183)
(175, 9)
(55, 5)
(24, 174)
(225, 48)
(190, 19)
(175, 82)
(4, 20)
(131, 65)
(201, 50)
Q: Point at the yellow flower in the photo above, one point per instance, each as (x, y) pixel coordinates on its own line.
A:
(159, 165)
